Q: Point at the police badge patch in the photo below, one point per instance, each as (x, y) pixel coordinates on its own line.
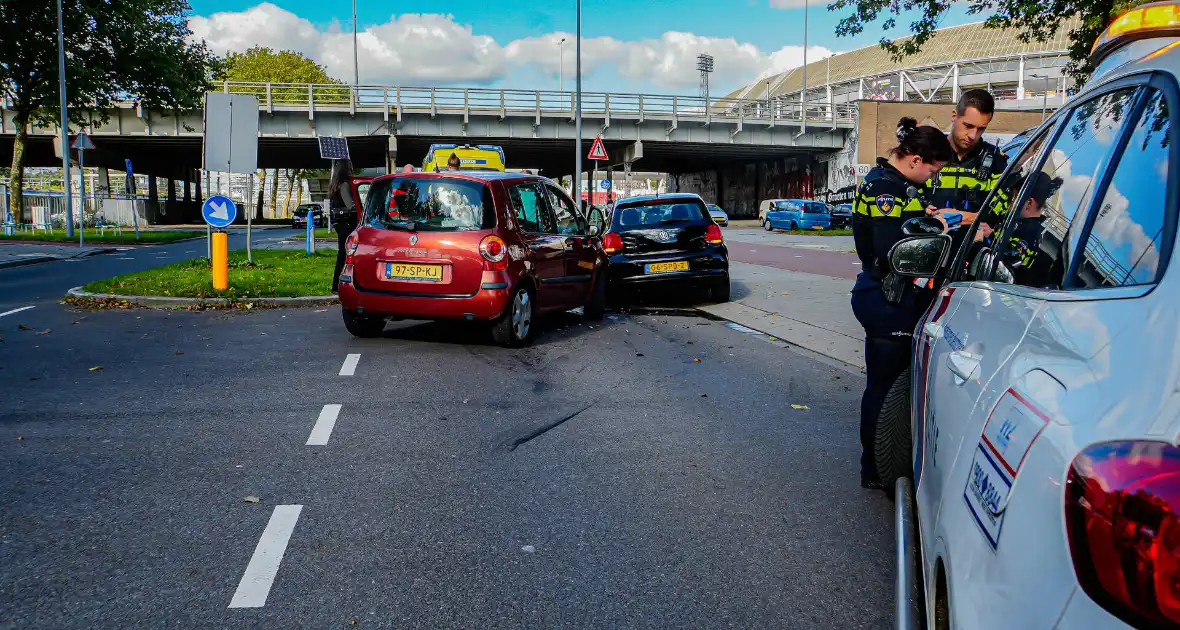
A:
(886, 204)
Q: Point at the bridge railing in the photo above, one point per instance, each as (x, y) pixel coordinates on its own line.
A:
(538, 103)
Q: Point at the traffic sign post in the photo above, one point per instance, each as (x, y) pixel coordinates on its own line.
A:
(219, 212)
(82, 144)
(131, 192)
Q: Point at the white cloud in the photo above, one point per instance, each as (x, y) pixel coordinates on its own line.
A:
(434, 49)
(794, 4)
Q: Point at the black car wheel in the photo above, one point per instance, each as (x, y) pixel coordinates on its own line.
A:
(893, 444)
(596, 306)
(363, 326)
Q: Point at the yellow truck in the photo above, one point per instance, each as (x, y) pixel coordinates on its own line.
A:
(481, 157)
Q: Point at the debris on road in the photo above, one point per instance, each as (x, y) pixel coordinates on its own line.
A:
(800, 407)
(696, 360)
(44, 332)
(22, 327)
(180, 352)
(529, 549)
(97, 368)
(252, 499)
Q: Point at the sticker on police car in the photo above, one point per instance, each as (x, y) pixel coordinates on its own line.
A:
(1008, 435)
(986, 495)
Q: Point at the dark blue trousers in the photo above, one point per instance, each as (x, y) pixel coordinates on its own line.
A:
(889, 336)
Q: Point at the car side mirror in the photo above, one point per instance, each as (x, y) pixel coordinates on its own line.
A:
(919, 256)
(921, 225)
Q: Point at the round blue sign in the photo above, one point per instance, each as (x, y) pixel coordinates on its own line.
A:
(219, 211)
(605, 184)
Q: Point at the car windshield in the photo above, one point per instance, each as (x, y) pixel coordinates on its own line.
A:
(437, 204)
(844, 207)
(661, 213)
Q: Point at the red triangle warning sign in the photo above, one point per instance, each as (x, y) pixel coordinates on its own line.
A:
(598, 150)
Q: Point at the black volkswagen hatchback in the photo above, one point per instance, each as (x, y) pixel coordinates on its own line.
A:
(664, 240)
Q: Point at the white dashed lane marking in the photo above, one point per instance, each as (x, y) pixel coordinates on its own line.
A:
(323, 426)
(268, 555)
(18, 310)
(349, 367)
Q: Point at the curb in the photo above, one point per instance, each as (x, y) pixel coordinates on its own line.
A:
(154, 301)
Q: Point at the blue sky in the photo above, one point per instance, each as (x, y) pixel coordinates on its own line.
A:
(626, 43)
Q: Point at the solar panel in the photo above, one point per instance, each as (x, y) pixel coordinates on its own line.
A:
(333, 147)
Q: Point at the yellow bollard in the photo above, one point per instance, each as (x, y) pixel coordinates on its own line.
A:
(220, 261)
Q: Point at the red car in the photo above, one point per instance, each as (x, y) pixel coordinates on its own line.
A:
(471, 246)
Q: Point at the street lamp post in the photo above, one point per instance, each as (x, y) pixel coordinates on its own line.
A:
(1044, 94)
(578, 111)
(561, 65)
(356, 65)
(65, 125)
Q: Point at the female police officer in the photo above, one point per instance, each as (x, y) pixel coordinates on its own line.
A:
(889, 306)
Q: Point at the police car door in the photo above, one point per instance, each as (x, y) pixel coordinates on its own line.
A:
(997, 523)
(953, 352)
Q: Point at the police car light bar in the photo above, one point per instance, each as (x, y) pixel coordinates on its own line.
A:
(1157, 19)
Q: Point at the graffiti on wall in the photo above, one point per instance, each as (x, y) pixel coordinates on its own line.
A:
(842, 167)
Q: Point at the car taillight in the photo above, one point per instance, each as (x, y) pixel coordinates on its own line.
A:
(494, 252)
(612, 243)
(713, 235)
(1121, 503)
(350, 246)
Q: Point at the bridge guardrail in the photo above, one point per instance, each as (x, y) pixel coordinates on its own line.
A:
(539, 103)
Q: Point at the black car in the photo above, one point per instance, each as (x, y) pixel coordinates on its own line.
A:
(842, 217)
(299, 218)
(664, 240)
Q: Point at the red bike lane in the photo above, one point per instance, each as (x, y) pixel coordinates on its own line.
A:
(806, 260)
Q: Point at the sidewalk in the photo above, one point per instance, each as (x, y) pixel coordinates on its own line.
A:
(807, 310)
(16, 255)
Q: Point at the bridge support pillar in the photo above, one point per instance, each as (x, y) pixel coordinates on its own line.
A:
(391, 154)
(103, 190)
(153, 202)
(197, 179)
(170, 205)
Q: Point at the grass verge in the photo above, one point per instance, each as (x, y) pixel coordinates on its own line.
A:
(321, 233)
(108, 237)
(275, 273)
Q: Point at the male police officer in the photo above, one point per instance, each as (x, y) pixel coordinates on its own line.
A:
(964, 185)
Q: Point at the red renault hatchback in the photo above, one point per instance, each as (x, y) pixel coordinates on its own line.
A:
(469, 246)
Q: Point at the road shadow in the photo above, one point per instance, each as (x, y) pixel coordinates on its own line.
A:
(672, 297)
(546, 329)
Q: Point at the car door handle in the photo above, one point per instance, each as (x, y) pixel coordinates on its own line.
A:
(963, 365)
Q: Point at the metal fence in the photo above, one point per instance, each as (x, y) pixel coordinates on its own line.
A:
(47, 211)
(539, 103)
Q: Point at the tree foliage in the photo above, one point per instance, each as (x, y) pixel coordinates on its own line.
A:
(138, 49)
(1030, 21)
(263, 65)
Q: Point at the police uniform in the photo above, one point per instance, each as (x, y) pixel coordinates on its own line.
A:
(965, 184)
(881, 206)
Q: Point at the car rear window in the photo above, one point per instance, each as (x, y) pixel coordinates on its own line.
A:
(816, 208)
(436, 204)
(657, 214)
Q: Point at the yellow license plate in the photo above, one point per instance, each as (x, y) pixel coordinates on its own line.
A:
(679, 265)
(817, 227)
(404, 271)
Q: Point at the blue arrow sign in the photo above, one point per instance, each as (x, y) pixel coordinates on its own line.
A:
(219, 211)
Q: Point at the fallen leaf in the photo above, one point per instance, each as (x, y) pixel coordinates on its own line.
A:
(97, 368)
(786, 293)
(22, 327)
(180, 352)
(252, 499)
(800, 407)
(19, 438)
(44, 332)
(696, 360)
(774, 338)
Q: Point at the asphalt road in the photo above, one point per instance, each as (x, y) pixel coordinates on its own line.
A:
(601, 478)
(46, 283)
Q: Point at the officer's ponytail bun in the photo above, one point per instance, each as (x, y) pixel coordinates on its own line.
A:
(928, 143)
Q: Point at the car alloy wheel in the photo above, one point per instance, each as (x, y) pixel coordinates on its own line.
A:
(522, 315)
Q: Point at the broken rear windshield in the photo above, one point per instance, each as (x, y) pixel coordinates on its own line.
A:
(436, 204)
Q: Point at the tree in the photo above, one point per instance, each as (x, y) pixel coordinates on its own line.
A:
(1034, 20)
(263, 65)
(137, 49)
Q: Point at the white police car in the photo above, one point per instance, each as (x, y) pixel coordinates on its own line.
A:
(1041, 421)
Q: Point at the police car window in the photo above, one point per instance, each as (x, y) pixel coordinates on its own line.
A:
(1035, 241)
(1123, 248)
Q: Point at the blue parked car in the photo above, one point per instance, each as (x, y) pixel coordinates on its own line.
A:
(798, 214)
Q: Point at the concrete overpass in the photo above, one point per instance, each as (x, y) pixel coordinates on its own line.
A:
(390, 125)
